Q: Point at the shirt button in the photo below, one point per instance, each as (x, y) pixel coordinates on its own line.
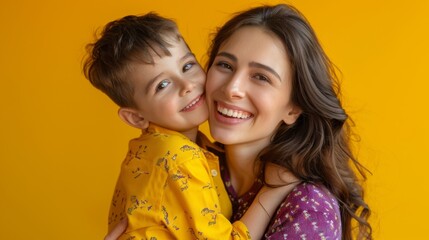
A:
(214, 172)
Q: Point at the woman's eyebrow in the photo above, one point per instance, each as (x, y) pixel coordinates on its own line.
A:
(265, 67)
(251, 64)
(228, 55)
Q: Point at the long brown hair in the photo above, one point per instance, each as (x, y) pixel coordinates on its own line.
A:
(316, 147)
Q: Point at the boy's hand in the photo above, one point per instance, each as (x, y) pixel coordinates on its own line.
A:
(278, 175)
(118, 230)
(280, 183)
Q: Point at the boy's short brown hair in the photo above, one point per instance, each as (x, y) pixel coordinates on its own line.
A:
(123, 42)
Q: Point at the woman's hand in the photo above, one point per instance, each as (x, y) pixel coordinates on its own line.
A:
(118, 230)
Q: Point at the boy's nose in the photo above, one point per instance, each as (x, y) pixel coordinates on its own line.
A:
(186, 87)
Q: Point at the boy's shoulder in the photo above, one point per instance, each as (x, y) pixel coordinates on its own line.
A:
(157, 145)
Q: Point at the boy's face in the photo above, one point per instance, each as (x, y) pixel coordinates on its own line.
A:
(170, 93)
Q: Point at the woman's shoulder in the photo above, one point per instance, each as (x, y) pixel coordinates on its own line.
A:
(312, 194)
(313, 198)
(310, 210)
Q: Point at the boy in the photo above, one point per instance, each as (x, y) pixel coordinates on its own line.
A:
(168, 188)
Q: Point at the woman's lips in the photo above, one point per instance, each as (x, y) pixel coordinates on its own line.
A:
(231, 114)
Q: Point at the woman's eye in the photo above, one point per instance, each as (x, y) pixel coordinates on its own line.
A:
(261, 77)
(224, 65)
(163, 84)
(188, 66)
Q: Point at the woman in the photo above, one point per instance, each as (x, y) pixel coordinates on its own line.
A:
(272, 96)
(273, 101)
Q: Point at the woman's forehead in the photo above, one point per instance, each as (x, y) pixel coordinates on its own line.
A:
(255, 44)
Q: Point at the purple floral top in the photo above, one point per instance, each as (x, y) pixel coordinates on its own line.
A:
(310, 211)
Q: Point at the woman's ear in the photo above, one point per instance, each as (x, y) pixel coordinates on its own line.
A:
(292, 115)
(133, 118)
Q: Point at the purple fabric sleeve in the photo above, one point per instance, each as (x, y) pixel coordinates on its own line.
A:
(309, 212)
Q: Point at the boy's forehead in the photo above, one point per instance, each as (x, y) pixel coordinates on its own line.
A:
(144, 72)
(157, 50)
(177, 50)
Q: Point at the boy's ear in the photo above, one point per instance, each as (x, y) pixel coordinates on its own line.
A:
(133, 118)
(292, 115)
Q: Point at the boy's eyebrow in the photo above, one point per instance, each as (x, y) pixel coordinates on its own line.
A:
(150, 83)
(251, 64)
(188, 54)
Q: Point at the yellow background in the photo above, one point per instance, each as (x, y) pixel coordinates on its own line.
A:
(61, 142)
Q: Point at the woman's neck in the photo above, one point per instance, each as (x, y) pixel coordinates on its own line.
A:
(242, 165)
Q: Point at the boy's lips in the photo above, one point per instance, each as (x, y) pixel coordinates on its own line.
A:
(193, 104)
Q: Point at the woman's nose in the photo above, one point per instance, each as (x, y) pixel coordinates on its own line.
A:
(234, 87)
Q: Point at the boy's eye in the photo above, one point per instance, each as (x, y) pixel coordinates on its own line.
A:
(163, 84)
(188, 66)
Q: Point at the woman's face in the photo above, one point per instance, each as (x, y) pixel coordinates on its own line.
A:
(248, 88)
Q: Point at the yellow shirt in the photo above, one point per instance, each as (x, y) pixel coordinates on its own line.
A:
(168, 190)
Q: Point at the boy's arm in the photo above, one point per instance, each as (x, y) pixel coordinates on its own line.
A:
(199, 199)
(117, 230)
(252, 219)
(192, 190)
(190, 207)
(196, 210)
(268, 199)
(263, 207)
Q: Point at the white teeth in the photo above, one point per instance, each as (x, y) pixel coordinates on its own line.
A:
(192, 103)
(233, 113)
